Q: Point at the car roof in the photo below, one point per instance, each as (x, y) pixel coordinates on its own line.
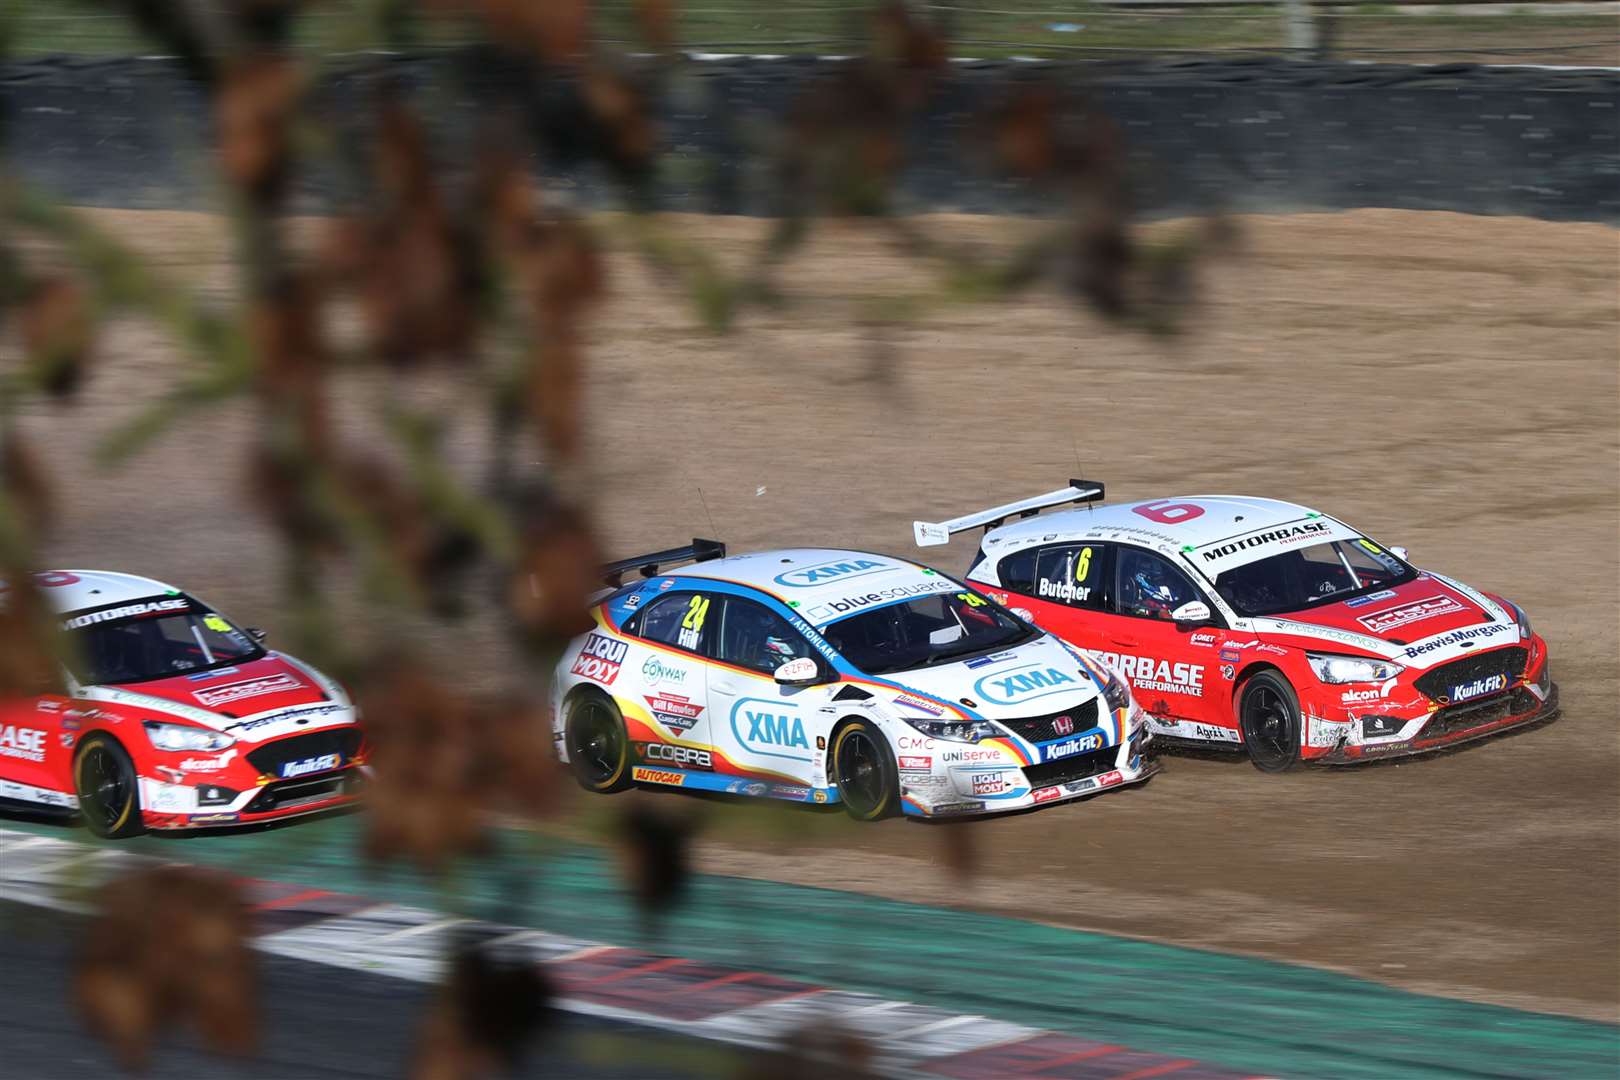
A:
(1223, 516)
(95, 588)
(810, 578)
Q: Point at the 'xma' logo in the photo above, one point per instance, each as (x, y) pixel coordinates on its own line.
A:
(764, 728)
(821, 573)
(1022, 684)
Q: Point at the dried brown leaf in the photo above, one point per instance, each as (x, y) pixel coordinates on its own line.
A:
(28, 638)
(25, 481)
(254, 107)
(57, 327)
(168, 946)
(557, 31)
(655, 22)
(555, 576)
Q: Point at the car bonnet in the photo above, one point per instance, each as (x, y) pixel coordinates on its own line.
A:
(1038, 676)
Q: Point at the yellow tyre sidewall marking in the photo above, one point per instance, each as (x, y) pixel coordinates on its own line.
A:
(78, 784)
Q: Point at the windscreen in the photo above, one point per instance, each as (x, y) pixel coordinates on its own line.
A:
(1310, 577)
(153, 639)
(924, 631)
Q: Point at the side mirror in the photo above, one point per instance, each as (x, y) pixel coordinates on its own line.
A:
(257, 634)
(1399, 553)
(801, 672)
(1192, 613)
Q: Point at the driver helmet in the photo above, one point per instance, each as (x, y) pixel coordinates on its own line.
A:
(779, 650)
(1153, 589)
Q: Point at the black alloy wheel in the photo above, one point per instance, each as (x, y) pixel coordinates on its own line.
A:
(864, 768)
(598, 748)
(109, 795)
(1268, 713)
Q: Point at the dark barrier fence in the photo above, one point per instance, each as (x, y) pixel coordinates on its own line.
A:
(1259, 134)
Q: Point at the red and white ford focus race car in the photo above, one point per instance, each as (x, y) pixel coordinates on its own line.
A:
(170, 716)
(1264, 625)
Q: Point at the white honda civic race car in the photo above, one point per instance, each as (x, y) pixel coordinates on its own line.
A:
(831, 676)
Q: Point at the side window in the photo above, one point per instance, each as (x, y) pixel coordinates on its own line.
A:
(1150, 586)
(1072, 574)
(681, 620)
(754, 637)
(1017, 571)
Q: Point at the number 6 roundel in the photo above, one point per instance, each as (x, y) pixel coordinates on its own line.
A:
(1166, 512)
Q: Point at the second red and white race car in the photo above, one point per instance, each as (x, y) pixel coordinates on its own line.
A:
(1263, 625)
(170, 716)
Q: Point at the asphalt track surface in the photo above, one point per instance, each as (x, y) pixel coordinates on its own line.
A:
(320, 1022)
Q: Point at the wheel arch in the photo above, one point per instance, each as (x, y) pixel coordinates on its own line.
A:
(137, 808)
(569, 698)
(1241, 679)
(877, 724)
(843, 722)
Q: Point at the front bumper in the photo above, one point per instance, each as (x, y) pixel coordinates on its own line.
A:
(264, 802)
(1030, 790)
(1456, 724)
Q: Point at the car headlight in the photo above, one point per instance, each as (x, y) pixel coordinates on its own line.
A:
(185, 737)
(1116, 691)
(1342, 669)
(954, 730)
(1525, 633)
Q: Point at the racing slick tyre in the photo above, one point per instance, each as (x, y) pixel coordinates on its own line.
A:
(863, 766)
(1268, 712)
(109, 794)
(598, 746)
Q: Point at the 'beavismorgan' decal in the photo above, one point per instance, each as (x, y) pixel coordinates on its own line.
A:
(599, 658)
(1382, 622)
(128, 611)
(215, 696)
(22, 742)
(1147, 673)
(1456, 637)
(658, 776)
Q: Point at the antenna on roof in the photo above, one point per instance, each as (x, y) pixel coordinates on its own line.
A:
(1080, 469)
(706, 513)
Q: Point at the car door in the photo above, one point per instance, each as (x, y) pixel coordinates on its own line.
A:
(761, 726)
(669, 680)
(1173, 669)
(1064, 588)
(33, 758)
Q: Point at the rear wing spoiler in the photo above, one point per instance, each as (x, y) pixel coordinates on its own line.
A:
(929, 533)
(697, 551)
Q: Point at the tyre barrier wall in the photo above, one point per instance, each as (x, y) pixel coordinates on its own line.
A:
(1260, 134)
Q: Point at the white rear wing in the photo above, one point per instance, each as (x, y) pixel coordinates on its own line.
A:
(930, 533)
